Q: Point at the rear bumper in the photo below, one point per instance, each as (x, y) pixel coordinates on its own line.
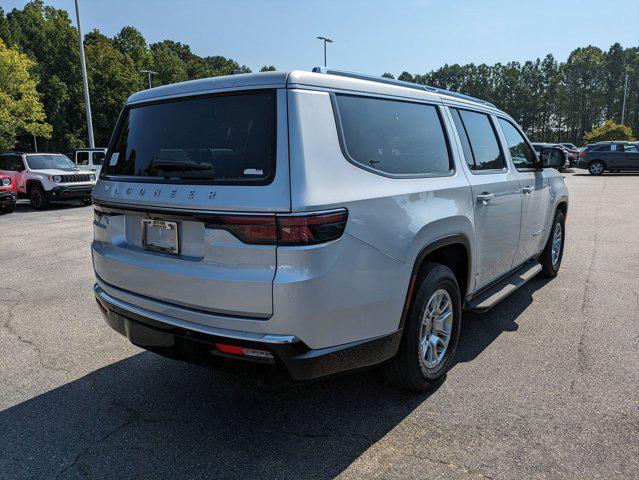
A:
(70, 192)
(193, 342)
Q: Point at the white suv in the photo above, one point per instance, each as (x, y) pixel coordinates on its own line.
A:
(47, 177)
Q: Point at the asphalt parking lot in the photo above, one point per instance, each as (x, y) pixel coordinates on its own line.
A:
(546, 385)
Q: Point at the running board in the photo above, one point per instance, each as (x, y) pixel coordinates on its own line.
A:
(496, 293)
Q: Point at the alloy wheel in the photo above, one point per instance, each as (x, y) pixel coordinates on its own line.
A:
(557, 237)
(436, 328)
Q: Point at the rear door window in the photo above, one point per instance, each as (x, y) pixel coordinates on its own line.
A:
(212, 139)
(483, 141)
(82, 158)
(393, 137)
(463, 136)
(601, 148)
(98, 158)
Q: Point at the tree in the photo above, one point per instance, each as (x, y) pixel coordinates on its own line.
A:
(20, 108)
(406, 77)
(46, 36)
(113, 76)
(268, 68)
(609, 130)
(387, 75)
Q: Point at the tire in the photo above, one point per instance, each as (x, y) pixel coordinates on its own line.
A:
(9, 208)
(38, 198)
(550, 263)
(409, 369)
(596, 167)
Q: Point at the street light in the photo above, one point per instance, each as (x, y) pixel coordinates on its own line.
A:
(325, 40)
(625, 94)
(149, 73)
(85, 82)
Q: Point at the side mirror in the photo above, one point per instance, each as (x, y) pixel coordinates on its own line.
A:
(552, 157)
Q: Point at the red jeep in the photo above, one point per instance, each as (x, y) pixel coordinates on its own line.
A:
(8, 193)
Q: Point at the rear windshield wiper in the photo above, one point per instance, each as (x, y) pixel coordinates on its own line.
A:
(166, 166)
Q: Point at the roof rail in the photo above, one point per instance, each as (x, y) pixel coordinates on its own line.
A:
(400, 83)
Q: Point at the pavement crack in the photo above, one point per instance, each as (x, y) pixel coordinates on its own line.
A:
(448, 464)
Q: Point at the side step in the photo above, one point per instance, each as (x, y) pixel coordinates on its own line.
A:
(490, 297)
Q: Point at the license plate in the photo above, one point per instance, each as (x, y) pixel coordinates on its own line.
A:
(160, 235)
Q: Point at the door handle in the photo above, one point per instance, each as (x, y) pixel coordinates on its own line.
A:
(527, 190)
(485, 197)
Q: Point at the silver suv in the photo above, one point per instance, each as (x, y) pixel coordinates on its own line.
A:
(322, 222)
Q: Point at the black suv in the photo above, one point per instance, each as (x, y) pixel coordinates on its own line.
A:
(609, 156)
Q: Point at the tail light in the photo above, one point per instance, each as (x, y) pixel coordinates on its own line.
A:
(582, 154)
(285, 230)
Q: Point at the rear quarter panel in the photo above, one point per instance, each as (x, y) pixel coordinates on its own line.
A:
(389, 217)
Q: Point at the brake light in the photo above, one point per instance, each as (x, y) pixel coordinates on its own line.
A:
(248, 228)
(285, 230)
(309, 230)
(582, 154)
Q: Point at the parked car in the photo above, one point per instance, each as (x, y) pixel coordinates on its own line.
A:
(47, 177)
(8, 194)
(320, 222)
(89, 159)
(539, 146)
(613, 157)
(572, 152)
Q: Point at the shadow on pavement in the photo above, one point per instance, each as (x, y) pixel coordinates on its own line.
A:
(480, 329)
(24, 206)
(608, 174)
(150, 417)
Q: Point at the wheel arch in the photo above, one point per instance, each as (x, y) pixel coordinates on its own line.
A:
(453, 251)
(32, 183)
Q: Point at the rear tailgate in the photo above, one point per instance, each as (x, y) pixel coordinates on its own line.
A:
(181, 162)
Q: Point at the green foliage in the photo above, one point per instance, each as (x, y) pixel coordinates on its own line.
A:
(20, 108)
(387, 75)
(609, 130)
(552, 101)
(268, 68)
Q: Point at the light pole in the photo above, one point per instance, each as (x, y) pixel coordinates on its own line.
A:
(625, 92)
(85, 82)
(149, 73)
(325, 40)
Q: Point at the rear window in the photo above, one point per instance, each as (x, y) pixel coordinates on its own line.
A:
(214, 139)
(397, 138)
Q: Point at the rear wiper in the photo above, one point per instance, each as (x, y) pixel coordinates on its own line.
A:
(166, 168)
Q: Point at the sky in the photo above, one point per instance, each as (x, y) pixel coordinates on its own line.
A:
(369, 36)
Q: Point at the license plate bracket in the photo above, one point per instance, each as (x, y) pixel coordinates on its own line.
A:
(160, 235)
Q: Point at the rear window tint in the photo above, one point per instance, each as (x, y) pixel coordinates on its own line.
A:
(468, 152)
(483, 141)
(397, 138)
(222, 138)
